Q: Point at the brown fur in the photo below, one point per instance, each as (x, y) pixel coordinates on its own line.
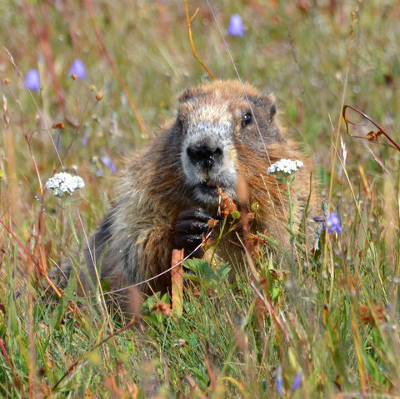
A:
(136, 239)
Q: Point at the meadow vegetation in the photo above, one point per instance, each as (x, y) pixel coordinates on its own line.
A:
(320, 323)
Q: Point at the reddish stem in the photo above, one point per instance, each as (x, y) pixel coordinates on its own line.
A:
(380, 129)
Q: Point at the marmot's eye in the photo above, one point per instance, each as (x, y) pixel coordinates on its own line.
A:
(247, 119)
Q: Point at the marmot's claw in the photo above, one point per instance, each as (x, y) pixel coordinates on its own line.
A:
(198, 214)
(189, 242)
(189, 229)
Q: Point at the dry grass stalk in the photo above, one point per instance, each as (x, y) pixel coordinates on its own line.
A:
(177, 282)
(194, 52)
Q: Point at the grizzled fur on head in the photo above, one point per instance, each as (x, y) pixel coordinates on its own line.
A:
(216, 121)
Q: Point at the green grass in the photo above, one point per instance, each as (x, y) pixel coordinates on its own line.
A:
(336, 313)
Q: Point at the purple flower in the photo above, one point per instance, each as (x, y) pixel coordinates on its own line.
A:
(296, 382)
(278, 381)
(32, 80)
(109, 163)
(78, 69)
(85, 140)
(334, 223)
(235, 27)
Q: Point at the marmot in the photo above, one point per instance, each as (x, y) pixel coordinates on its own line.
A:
(168, 192)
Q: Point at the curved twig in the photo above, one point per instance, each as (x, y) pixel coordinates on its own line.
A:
(194, 52)
(381, 131)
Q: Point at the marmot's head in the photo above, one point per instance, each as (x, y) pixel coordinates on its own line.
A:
(216, 122)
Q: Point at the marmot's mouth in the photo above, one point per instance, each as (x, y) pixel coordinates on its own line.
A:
(209, 188)
(207, 191)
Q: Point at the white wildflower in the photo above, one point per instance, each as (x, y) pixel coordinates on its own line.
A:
(286, 166)
(64, 183)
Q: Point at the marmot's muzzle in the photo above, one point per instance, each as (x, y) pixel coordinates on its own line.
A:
(204, 155)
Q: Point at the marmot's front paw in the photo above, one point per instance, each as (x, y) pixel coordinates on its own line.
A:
(189, 230)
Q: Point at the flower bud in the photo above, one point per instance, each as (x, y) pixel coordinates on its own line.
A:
(99, 95)
(235, 214)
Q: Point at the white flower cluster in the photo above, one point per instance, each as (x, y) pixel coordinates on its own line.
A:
(286, 166)
(64, 183)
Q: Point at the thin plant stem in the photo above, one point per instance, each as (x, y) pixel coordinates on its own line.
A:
(194, 52)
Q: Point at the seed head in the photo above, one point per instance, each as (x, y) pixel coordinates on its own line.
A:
(99, 95)
(163, 308)
(58, 125)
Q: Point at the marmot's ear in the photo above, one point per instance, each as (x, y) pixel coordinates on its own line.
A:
(271, 105)
(187, 95)
(268, 101)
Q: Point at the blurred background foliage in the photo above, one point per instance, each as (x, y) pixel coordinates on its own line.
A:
(137, 58)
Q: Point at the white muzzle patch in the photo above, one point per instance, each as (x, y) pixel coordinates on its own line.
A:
(206, 160)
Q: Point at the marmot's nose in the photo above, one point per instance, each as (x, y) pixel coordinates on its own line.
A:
(204, 155)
